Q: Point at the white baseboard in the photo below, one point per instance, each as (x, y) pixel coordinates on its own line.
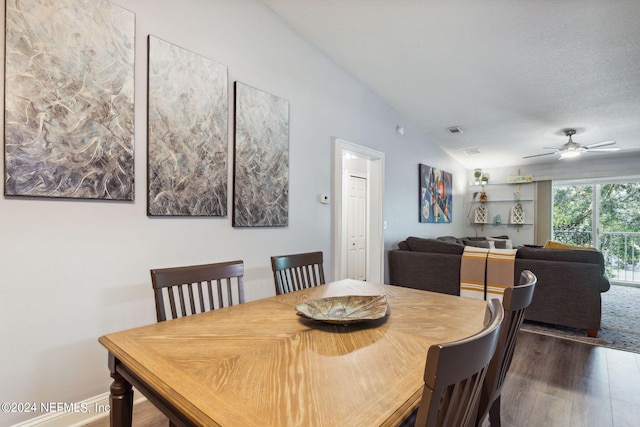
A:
(81, 414)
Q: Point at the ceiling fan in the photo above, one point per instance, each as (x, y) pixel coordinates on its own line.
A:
(573, 149)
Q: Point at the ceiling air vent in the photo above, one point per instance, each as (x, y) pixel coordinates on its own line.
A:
(454, 130)
(471, 151)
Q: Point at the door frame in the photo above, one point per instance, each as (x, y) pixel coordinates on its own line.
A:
(375, 199)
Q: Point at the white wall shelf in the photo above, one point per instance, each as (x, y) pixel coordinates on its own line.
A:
(501, 198)
(488, 202)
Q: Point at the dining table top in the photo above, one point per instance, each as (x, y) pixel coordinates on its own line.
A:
(258, 363)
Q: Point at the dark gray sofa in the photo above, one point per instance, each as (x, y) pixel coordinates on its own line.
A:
(569, 281)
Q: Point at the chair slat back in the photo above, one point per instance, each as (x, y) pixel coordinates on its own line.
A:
(515, 301)
(197, 288)
(297, 271)
(454, 374)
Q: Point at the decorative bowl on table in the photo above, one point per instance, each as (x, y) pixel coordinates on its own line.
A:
(344, 309)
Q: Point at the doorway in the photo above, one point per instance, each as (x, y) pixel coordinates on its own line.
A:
(355, 256)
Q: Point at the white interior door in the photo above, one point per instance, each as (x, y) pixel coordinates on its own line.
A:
(349, 157)
(357, 227)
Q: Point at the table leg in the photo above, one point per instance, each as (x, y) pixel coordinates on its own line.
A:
(121, 398)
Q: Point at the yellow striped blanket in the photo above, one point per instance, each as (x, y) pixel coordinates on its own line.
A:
(485, 273)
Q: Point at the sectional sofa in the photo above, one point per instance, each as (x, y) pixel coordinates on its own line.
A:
(569, 285)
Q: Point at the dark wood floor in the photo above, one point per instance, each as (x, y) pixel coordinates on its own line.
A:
(552, 382)
(555, 382)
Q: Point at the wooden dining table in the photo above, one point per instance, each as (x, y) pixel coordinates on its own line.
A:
(259, 364)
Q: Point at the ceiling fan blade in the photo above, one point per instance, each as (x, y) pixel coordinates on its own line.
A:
(602, 149)
(600, 144)
(537, 155)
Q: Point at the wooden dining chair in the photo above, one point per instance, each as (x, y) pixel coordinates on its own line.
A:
(454, 375)
(297, 271)
(515, 301)
(197, 288)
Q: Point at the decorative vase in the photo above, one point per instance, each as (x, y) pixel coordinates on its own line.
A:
(483, 197)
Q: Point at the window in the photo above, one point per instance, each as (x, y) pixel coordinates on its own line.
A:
(605, 215)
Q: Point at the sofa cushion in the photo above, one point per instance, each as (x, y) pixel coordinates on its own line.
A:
(449, 239)
(403, 246)
(435, 272)
(418, 244)
(569, 255)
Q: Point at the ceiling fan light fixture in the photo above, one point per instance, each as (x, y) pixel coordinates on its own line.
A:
(573, 149)
(570, 154)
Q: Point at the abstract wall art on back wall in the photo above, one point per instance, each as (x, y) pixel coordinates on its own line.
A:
(261, 178)
(187, 132)
(435, 195)
(69, 93)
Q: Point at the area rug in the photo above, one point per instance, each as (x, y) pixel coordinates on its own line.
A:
(620, 325)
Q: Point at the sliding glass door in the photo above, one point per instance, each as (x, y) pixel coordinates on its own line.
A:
(605, 215)
(573, 215)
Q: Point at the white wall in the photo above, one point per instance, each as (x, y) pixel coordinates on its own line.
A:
(72, 270)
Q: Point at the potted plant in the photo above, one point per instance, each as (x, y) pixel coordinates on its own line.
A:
(477, 174)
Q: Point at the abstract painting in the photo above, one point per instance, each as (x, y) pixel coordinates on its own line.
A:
(188, 114)
(261, 179)
(69, 93)
(435, 195)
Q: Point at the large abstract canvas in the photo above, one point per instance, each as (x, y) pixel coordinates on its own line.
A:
(187, 120)
(69, 92)
(261, 186)
(435, 195)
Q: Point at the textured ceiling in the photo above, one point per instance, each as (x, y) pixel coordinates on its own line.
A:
(511, 73)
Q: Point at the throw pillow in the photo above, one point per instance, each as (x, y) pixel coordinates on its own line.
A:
(557, 245)
(478, 243)
(501, 242)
